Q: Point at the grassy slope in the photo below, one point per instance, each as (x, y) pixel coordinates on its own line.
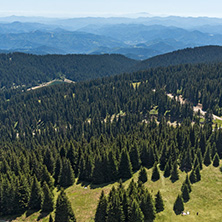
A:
(206, 198)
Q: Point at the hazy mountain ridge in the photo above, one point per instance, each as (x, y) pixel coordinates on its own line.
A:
(137, 38)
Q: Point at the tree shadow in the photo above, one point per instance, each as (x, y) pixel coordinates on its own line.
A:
(95, 186)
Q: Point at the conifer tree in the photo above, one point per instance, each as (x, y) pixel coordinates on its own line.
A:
(197, 172)
(125, 167)
(185, 193)
(115, 210)
(101, 211)
(178, 206)
(64, 210)
(174, 173)
(58, 170)
(135, 158)
(36, 199)
(135, 214)
(199, 156)
(193, 177)
(46, 176)
(67, 177)
(155, 173)
(48, 200)
(147, 206)
(216, 160)
(23, 194)
(167, 169)
(112, 168)
(159, 202)
(207, 158)
(98, 171)
(187, 182)
(142, 175)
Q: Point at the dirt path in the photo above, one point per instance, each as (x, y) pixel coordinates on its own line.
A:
(196, 108)
(48, 83)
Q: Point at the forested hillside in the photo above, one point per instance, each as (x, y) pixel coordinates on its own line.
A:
(205, 54)
(104, 130)
(18, 69)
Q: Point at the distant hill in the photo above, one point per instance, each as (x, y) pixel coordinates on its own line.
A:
(24, 69)
(205, 54)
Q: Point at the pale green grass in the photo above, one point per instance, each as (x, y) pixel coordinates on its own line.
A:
(206, 198)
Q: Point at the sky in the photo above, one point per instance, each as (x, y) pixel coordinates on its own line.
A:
(106, 8)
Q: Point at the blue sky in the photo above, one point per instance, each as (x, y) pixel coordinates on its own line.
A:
(76, 8)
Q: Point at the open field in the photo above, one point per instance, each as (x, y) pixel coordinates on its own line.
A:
(206, 198)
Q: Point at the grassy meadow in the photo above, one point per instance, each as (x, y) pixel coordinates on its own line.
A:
(206, 198)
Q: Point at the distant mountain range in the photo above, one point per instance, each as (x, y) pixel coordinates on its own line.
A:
(137, 38)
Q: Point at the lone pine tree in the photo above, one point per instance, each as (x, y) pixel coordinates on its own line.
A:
(178, 206)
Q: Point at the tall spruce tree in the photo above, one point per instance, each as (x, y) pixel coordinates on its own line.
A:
(178, 206)
(48, 200)
(147, 206)
(185, 193)
(64, 210)
(125, 167)
(174, 173)
(159, 202)
(155, 173)
(115, 210)
(197, 172)
(142, 175)
(135, 214)
(67, 177)
(36, 199)
(216, 160)
(101, 211)
(193, 177)
(187, 182)
(207, 156)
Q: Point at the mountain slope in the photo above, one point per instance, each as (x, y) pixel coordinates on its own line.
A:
(205, 54)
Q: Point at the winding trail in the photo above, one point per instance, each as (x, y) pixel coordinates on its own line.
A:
(196, 108)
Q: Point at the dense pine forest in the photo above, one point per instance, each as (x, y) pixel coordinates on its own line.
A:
(103, 131)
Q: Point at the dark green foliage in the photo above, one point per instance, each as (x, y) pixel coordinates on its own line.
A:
(46, 177)
(101, 210)
(185, 193)
(135, 214)
(148, 207)
(125, 167)
(174, 173)
(159, 202)
(48, 200)
(216, 160)
(193, 177)
(197, 172)
(155, 173)
(115, 210)
(67, 177)
(22, 194)
(207, 156)
(178, 206)
(64, 210)
(187, 182)
(167, 169)
(142, 175)
(135, 158)
(36, 198)
(50, 218)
